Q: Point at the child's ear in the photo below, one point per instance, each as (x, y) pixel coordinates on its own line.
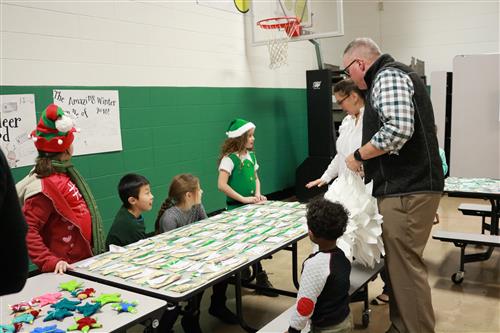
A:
(132, 201)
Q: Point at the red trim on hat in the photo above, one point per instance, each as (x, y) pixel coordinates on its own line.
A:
(52, 146)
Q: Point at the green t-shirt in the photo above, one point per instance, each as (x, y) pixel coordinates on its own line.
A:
(126, 229)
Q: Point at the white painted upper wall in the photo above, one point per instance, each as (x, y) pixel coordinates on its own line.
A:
(131, 43)
(432, 31)
(180, 43)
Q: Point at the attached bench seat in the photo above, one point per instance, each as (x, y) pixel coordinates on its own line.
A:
(477, 210)
(461, 240)
(466, 238)
(360, 276)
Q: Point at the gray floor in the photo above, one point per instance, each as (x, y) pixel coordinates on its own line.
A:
(473, 306)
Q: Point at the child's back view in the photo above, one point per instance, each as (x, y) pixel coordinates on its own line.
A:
(128, 226)
(323, 296)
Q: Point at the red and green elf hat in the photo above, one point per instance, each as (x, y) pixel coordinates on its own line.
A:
(238, 127)
(54, 132)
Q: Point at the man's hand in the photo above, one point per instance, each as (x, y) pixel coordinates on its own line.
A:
(353, 164)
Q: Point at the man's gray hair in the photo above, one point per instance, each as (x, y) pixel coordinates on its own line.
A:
(364, 47)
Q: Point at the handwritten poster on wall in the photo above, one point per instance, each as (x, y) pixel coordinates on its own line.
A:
(97, 116)
(17, 120)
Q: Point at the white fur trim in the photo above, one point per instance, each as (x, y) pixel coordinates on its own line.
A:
(34, 138)
(240, 131)
(64, 124)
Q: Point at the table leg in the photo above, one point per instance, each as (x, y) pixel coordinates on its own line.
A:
(239, 305)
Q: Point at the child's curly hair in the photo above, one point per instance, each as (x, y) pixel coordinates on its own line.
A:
(233, 145)
(326, 219)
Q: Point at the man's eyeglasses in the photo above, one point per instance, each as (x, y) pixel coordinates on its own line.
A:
(346, 70)
(339, 103)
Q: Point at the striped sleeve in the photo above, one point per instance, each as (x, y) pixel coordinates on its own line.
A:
(392, 99)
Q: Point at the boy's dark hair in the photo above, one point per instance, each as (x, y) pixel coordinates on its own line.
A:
(129, 186)
(326, 219)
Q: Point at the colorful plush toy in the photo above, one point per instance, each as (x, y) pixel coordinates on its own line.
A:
(27, 317)
(12, 328)
(84, 324)
(59, 314)
(108, 298)
(66, 304)
(21, 307)
(88, 309)
(47, 329)
(70, 285)
(125, 307)
(48, 298)
(83, 293)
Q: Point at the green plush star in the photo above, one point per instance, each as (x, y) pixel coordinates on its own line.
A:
(125, 307)
(59, 314)
(88, 309)
(70, 285)
(108, 298)
(66, 304)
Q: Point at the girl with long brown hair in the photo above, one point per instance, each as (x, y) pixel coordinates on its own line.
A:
(182, 207)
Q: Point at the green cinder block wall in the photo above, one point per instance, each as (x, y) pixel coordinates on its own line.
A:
(171, 130)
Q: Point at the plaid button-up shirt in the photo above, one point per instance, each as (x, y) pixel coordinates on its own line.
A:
(392, 99)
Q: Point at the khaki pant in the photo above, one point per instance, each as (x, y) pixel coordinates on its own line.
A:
(406, 228)
(344, 327)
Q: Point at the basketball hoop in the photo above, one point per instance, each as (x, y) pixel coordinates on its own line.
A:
(280, 31)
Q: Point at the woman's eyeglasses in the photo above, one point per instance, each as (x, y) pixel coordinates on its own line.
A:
(339, 103)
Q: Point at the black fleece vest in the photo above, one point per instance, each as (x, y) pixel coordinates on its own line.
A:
(417, 167)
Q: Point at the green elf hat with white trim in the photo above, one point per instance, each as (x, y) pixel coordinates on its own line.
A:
(54, 131)
(238, 127)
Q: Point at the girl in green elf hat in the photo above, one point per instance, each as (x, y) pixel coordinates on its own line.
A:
(238, 178)
(64, 225)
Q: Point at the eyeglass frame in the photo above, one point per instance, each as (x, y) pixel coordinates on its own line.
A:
(339, 103)
(346, 70)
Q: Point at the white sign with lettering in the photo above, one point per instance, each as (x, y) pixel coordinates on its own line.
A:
(97, 116)
(17, 120)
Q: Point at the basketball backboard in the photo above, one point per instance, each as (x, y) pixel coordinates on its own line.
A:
(318, 18)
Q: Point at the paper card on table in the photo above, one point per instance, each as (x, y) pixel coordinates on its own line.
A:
(86, 263)
(116, 249)
(275, 239)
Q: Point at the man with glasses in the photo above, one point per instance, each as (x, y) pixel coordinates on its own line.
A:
(400, 154)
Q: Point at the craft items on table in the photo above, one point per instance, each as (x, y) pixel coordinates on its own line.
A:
(185, 258)
(83, 293)
(108, 298)
(66, 304)
(70, 286)
(27, 317)
(363, 236)
(47, 329)
(21, 307)
(88, 309)
(45, 299)
(58, 314)
(11, 328)
(125, 307)
(84, 324)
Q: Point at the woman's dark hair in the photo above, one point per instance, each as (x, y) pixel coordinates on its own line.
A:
(326, 219)
(346, 87)
(130, 186)
(180, 185)
(43, 163)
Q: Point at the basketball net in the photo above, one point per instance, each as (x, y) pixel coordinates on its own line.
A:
(280, 30)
